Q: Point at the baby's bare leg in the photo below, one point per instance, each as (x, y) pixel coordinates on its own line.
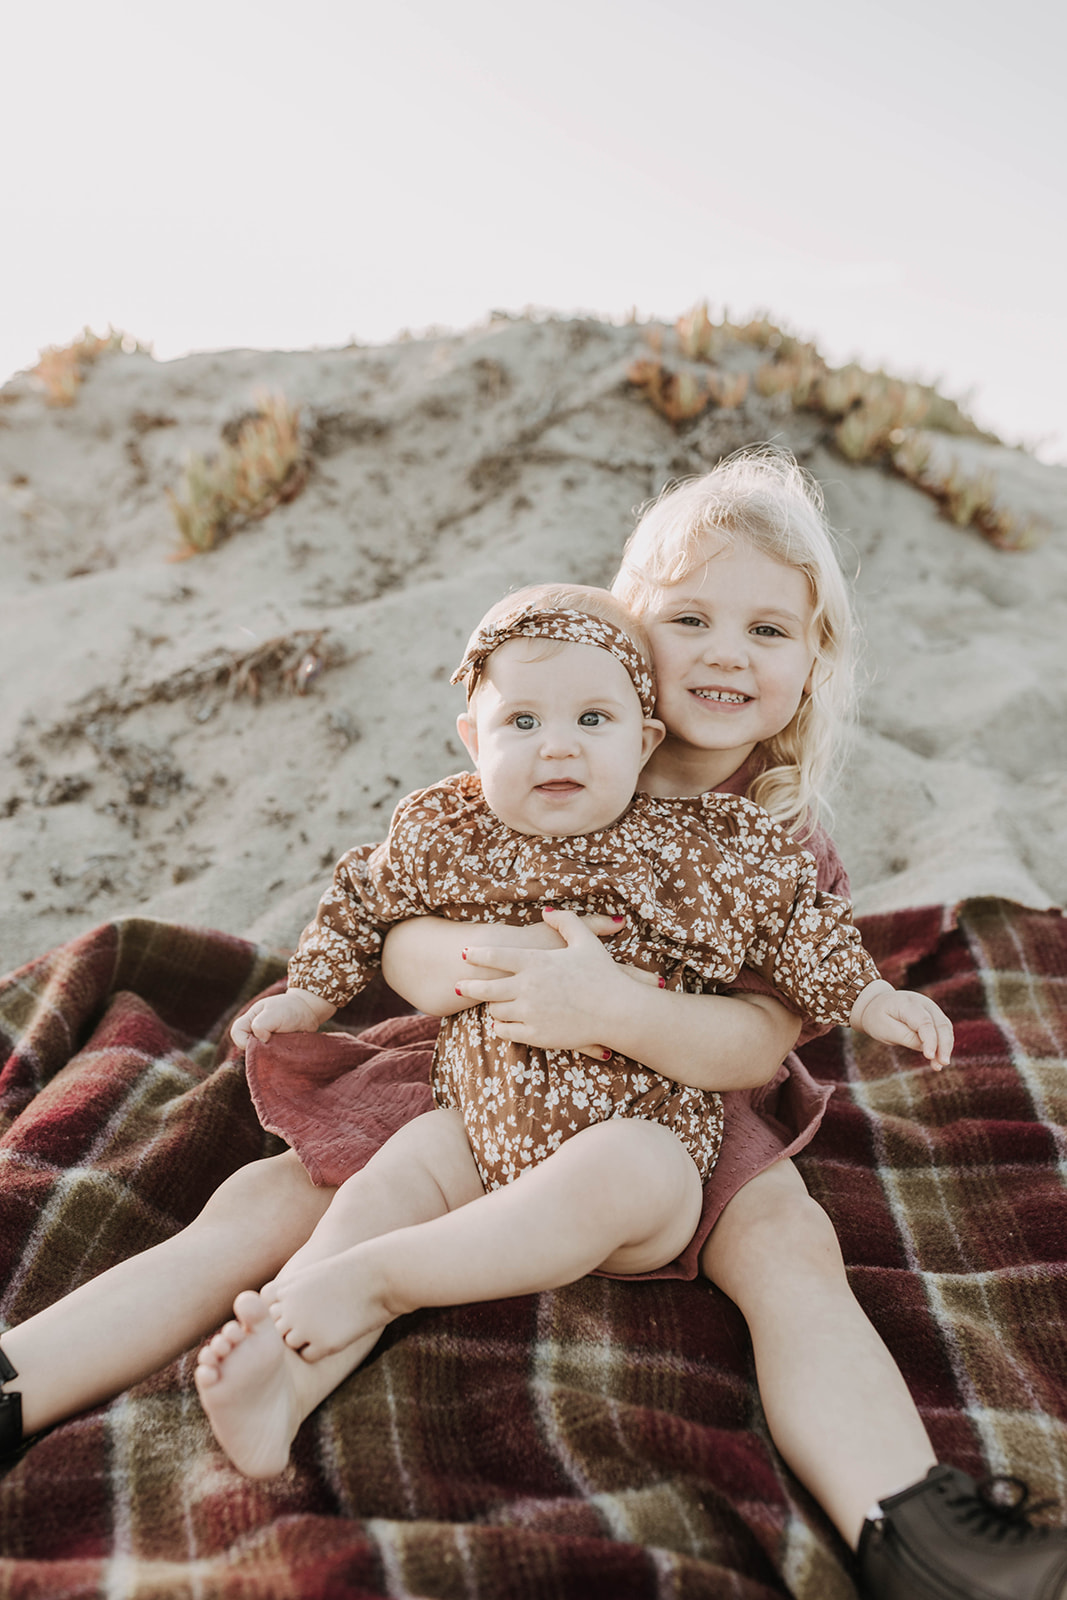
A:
(623, 1194)
(424, 1170)
(255, 1390)
(142, 1313)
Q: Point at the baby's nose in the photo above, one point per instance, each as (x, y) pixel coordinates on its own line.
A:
(559, 742)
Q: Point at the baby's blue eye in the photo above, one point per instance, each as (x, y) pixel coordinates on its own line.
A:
(526, 721)
(591, 719)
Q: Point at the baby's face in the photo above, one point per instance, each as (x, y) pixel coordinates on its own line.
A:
(558, 736)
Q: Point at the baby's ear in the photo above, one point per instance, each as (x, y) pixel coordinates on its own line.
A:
(653, 733)
(467, 728)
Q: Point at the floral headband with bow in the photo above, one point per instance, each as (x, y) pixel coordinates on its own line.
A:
(569, 627)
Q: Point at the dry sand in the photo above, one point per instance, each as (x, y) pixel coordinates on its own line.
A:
(137, 777)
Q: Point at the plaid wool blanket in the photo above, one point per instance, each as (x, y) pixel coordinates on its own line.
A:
(605, 1440)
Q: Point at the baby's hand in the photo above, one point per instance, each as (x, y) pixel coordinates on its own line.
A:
(901, 1016)
(295, 1011)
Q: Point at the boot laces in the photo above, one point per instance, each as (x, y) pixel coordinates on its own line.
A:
(1000, 1508)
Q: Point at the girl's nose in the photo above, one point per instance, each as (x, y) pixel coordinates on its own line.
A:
(724, 649)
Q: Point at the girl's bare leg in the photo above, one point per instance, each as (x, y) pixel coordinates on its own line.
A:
(622, 1194)
(836, 1404)
(142, 1313)
(255, 1390)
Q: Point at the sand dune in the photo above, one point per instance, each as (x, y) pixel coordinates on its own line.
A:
(142, 774)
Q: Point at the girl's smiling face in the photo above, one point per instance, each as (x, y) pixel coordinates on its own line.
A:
(734, 656)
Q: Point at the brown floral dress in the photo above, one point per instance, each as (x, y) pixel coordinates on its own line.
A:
(707, 883)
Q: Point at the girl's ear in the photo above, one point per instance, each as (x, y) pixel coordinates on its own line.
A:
(809, 682)
(467, 728)
(653, 733)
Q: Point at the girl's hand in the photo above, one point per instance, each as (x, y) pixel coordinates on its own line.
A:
(901, 1016)
(422, 959)
(295, 1011)
(542, 936)
(553, 999)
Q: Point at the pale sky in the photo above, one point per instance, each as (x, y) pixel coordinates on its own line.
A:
(885, 178)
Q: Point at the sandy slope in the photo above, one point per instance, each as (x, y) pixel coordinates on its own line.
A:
(136, 776)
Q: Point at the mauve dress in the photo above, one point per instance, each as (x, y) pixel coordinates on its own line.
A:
(337, 1097)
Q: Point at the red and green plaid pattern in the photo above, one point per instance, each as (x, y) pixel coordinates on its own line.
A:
(604, 1440)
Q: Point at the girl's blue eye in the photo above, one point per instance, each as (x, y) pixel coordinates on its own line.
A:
(690, 622)
(767, 630)
(526, 721)
(591, 719)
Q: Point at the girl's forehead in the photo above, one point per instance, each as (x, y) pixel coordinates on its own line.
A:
(736, 571)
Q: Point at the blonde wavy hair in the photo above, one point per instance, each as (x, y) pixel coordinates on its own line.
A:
(763, 498)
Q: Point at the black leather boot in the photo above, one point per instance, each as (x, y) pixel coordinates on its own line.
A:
(10, 1412)
(948, 1538)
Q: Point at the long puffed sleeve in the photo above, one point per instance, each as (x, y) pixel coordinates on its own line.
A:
(373, 888)
(831, 879)
(802, 941)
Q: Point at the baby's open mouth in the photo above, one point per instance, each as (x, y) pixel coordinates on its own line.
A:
(729, 697)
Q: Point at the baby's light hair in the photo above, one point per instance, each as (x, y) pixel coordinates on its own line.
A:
(593, 602)
(764, 498)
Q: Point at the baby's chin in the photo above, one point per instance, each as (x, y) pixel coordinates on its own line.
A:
(548, 822)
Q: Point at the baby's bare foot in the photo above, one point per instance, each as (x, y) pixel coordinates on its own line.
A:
(246, 1387)
(327, 1307)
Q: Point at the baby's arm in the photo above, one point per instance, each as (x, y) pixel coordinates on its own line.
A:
(901, 1016)
(295, 1011)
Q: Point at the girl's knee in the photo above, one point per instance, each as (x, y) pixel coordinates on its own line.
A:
(276, 1184)
(772, 1230)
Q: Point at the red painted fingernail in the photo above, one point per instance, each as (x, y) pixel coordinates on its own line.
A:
(618, 919)
(607, 1055)
(464, 952)
(459, 991)
(550, 908)
(663, 983)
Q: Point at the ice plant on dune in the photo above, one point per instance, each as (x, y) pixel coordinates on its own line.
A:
(682, 391)
(873, 416)
(61, 368)
(966, 501)
(699, 339)
(265, 466)
(676, 395)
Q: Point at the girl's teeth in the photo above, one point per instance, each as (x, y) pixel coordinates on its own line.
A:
(731, 699)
